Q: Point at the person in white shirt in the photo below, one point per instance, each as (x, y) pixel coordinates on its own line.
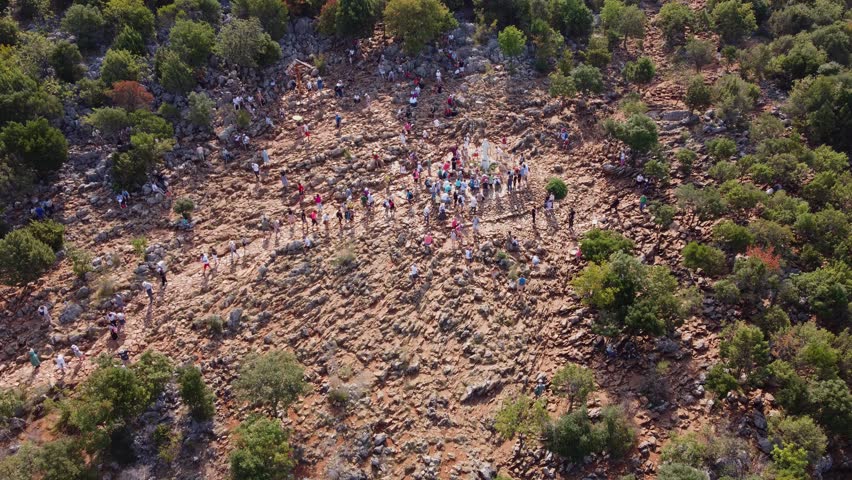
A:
(205, 263)
(77, 353)
(149, 289)
(232, 249)
(255, 168)
(414, 273)
(60, 363)
(44, 313)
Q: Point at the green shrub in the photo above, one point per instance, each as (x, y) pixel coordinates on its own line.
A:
(355, 17)
(9, 31)
(195, 394)
(81, 262)
(130, 40)
(833, 404)
(67, 61)
(641, 71)
(686, 448)
(720, 382)
(710, 260)
(571, 436)
(673, 19)
(745, 349)
(205, 10)
(826, 291)
(130, 169)
(244, 43)
(734, 97)
(820, 104)
(639, 132)
(575, 382)
(175, 75)
(789, 461)
(615, 433)
(184, 207)
(49, 232)
(733, 20)
(169, 112)
(120, 65)
(698, 96)
(32, 9)
(685, 158)
(271, 379)
(86, 23)
(261, 450)
(213, 323)
(418, 22)
(725, 171)
(168, 442)
(598, 245)
(561, 86)
(36, 145)
(588, 79)
(21, 97)
(658, 171)
(556, 187)
(109, 121)
(699, 53)
(130, 13)
(597, 54)
(272, 14)
(741, 195)
(721, 148)
(727, 292)
(192, 41)
(200, 111)
(11, 404)
(802, 432)
(91, 92)
(327, 18)
(61, 459)
(572, 18)
(522, 416)
(679, 471)
(663, 213)
(773, 320)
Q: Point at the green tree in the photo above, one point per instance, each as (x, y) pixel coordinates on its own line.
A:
(709, 259)
(272, 379)
(21, 97)
(130, 40)
(802, 432)
(67, 61)
(86, 23)
(719, 381)
(673, 19)
(192, 41)
(597, 54)
(734, 97)
(200, 111)
(195, 394)
(261, 451)
(562, 86)
(698, 94)
(49, 232)
(598, 245)
(10, 33)
(571, 436)
(640, 72)
(522, 416)
(699, 53)
(587, 79)
(244, 43)
(512, 41)
(355, 17)
(417, 22)
(571, 17)
(686, 158)
(733, 237)
(679, 471)
(639, 132)
(754, 61)
(733, 20)
(272, 14)
(120, 65)
(175, 75)
(35, 145)
(575, 382)
(557, 188)
(821, 105)
(745, 348)
(23, 258)
(130, 13)
(721, 148)
(833, 405)
(60, 459)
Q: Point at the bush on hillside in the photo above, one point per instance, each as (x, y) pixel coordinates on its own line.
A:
(417, 22)
(67, 61)
(244, 43)
(355, 17)
(130, 96)
(192, 41)
(273, 379)
(261, 450)
(130, 13)
(23, 258)
(195, 393)
(120, 65)
(35, 144)
(272, 14)
(556, 187)
(10, 33)
(201, 109)
(86, 23)
(49, 232)
(175, 75)
(710, 260)
(130, 40)
(598, 245)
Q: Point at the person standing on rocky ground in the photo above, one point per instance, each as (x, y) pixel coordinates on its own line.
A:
(34, 360)
(285, 184)
(318, 202)
(339, 215)
(44, 313)
(60, 363)
(643, 201)
(314, 222)
(571, 214)
(301, 189)
(304, 218)
(276, 228)
(367, 101)
(413, 273)
(149, 289)
(337, 120)
(205, 263)
(475, 225)
(255, 168)
(79, 355)
(161, 271)
(232, 251)
(533, 212)
(427, 210)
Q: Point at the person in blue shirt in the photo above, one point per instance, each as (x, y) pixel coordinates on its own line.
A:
(337, 119)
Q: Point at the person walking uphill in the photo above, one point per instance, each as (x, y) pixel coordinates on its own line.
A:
(34, 360)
